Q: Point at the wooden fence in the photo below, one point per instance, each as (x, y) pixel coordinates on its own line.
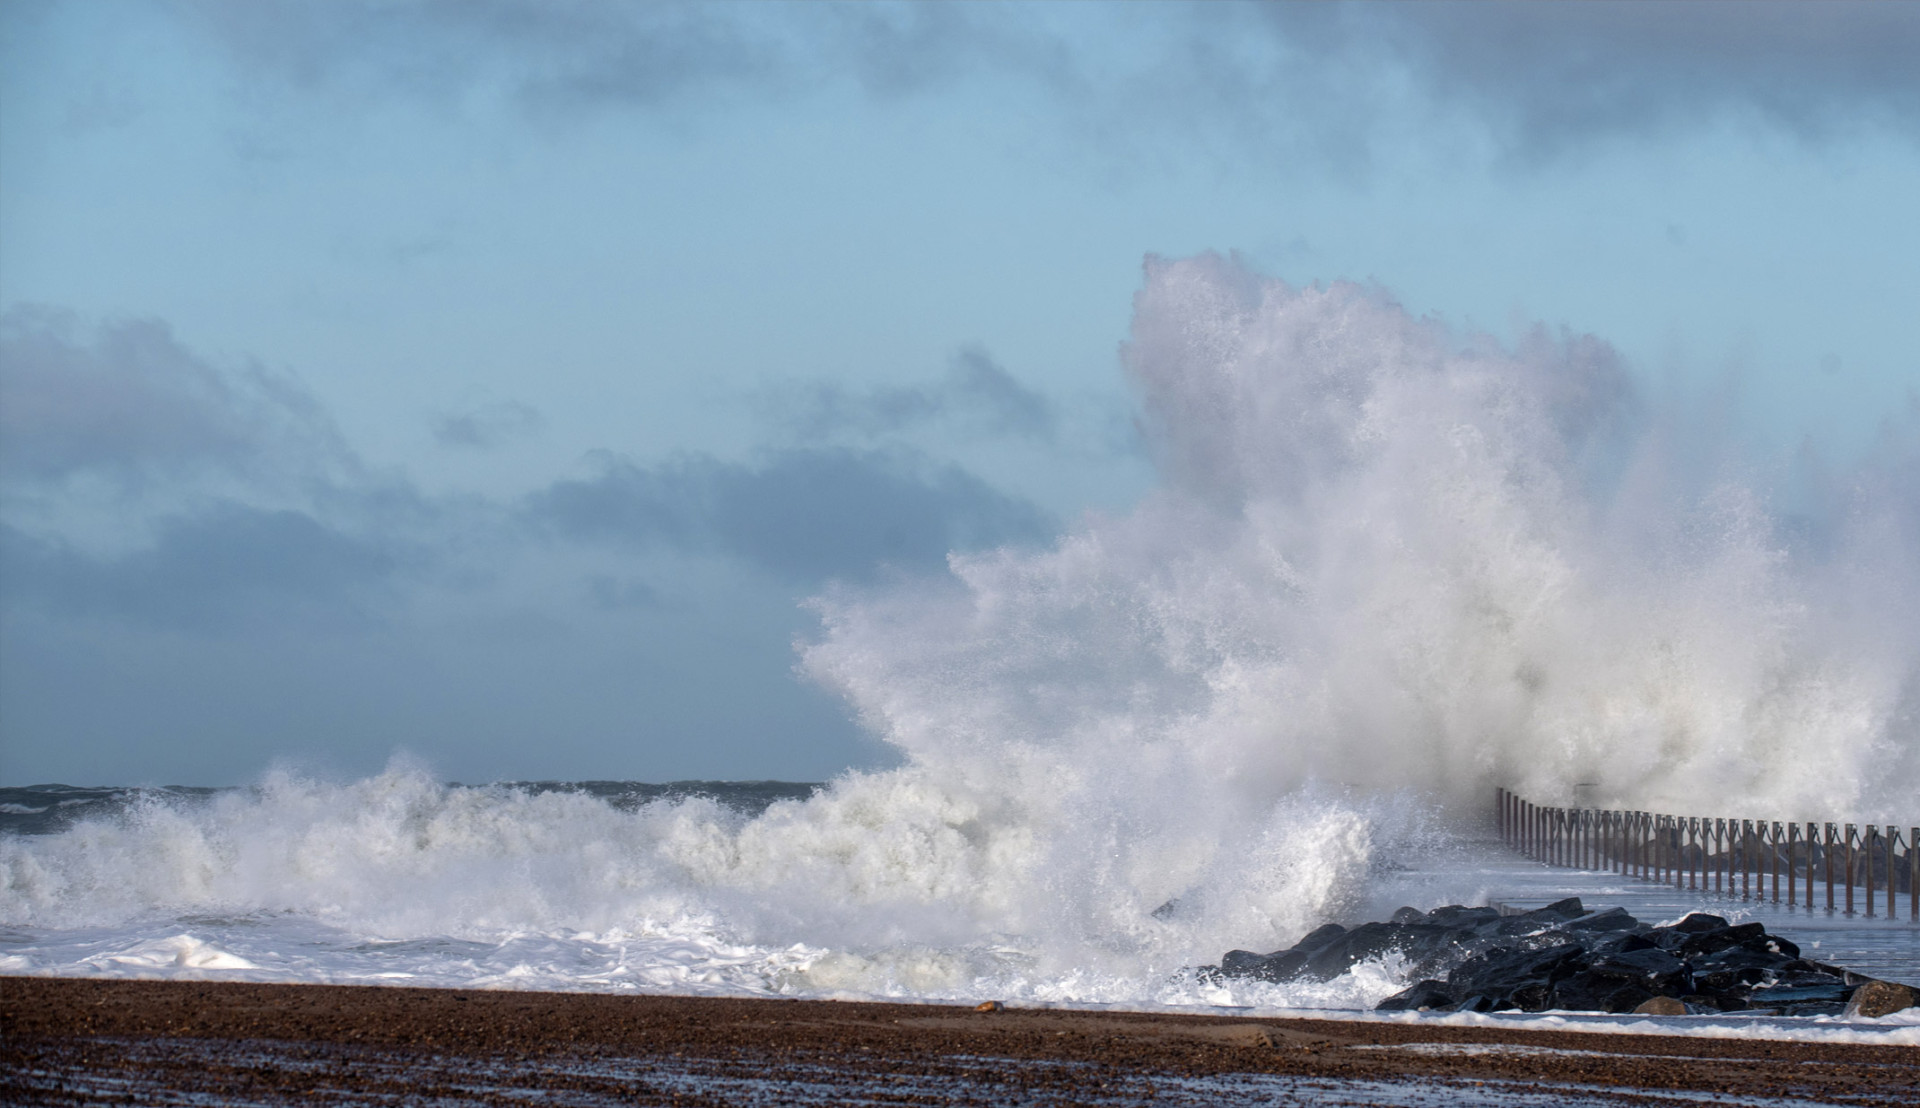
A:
(1745, 858)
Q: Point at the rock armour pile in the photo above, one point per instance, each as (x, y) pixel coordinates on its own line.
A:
(1565, 958)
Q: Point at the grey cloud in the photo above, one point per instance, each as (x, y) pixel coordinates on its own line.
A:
(1547, 75)
(558, 53)
(975, 394)
(127, 400)
(1260, 79)
(236, 501)
(487, 427)
(230, 566)
(801, 515)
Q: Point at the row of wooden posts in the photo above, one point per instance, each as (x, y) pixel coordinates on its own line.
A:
(1727, 857)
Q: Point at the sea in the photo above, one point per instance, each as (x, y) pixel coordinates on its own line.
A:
(1386, 568)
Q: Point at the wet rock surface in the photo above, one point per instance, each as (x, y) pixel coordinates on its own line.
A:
(1564, 957)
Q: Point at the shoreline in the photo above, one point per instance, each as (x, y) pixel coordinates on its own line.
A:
(92, 1040)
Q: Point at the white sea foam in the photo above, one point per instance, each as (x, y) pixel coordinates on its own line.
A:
(1381, 555)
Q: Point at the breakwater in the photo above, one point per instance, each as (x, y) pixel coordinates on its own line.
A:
(1870, 870)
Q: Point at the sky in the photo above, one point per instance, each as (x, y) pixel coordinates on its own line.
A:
(494, 382)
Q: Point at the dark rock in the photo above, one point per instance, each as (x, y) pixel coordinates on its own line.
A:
(1589, 991)
(1801, 972)
(1334, 958)
(1755, 955)
(1568, 909)
(1417, 998)
(1656, 970)
(1610, 919)
(1454, 915)
(1697, 921)
(1283, 965)
(1707, 942)
(1737, 965)
(1523, 977)
(1423, 944)
(1564, 957)
(1785, 996)
(1241, 963)
(1480, 1002)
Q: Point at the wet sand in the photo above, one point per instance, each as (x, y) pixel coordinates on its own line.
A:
(171, 1042)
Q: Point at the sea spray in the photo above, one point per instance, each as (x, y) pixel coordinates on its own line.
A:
(1386, 568)
(1388, 556)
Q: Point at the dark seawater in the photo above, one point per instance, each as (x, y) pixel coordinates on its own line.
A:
(50, 809)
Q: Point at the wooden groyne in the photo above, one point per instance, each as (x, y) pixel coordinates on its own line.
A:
(1785, 862)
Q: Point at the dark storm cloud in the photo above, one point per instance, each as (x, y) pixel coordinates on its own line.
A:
(128, 401)
(569, 53)
(976, 394)
(1545, 76)
(232, 565)
(487, 427)
(1258, 79)
(802, 515)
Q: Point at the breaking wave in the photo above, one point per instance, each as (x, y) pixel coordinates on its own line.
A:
(1386, 568)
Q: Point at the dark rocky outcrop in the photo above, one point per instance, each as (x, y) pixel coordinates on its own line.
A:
(1567, 958)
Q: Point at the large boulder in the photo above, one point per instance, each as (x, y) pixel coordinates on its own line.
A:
(1880, 998)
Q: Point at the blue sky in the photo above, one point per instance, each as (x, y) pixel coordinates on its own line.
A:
(495, 381)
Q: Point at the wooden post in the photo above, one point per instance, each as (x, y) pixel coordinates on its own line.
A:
(1846, 848)
(1867, 840)
(1750, 856)
(1769, 864)
(1793, 883)
(1913, 874)
(1676, 853)
(1697, 858)
(1827, 856)
(1719, 826)
(1683, 855)
(1773, 854)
